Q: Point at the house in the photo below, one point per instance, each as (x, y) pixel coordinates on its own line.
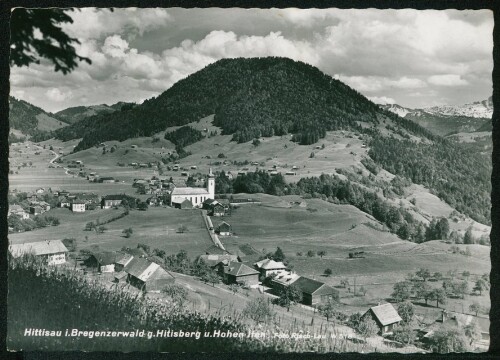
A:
(78, 206)
(214, 207)
(213, 260)
(36, 210)
(107, 179)
(185, 204)
(267, 267)
(122, 260)
(102, 262)
(110, 201)
(386, 317)
(147, 276)
(64, 202)
(40, 190)
(239, 273)
(196, 195)
(53, 252)
(315, 292)
(283, 279)
(19, 211)
(224, 229)
(454, 320)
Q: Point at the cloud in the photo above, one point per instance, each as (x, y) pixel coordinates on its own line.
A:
(382, 100)
(57, 95)
(447, 80)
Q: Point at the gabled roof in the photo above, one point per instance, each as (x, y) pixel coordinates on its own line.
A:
(215, 250)
(223, 224)
(143, 269)
(189, 191)
(16, 208)
(38, 248)
(105, 258)
(210, 202)
(268, 264)
(123, 259)
(386, 314)
(286, 278)
(115, 197)
(310, 286)
(212, 260)
(239, 269)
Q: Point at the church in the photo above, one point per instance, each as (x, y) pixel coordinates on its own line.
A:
(194, 194)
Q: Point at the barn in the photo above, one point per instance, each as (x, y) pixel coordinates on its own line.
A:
(239, 273)
(102, 262)
(147, 276)
(315, 292)
(224, 229)
(386, 317)
(185, 204)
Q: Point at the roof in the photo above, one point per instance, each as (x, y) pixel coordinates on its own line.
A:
(105, 257)
(123, 259)
(78, 202)
(136, 252)
(286, 278)
(143, 269)
(16, 208)
(268, 264)
(309, 286)
(215, 250)
(120, 275)
(210, 201)
(38, 248)
(212, 260)
(115, 197)
(189, 191)
(223, 224)
(386, 314)
(239, 269)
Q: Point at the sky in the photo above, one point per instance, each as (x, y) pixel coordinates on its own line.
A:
(413, 58)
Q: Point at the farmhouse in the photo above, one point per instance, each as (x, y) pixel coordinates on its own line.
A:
(386, 317)
(185, 204)
(36, 210)
(103, 262)
(214, 260)
(78, 206)
(214, 207)
(51, 251)
(195, 195)
(64, 202)
(147, 276)
(111, 200)
(315, 292)
(267, 267)
(122, 261)
(239, 273)
(224, 229)
(19, 211)
(283, 279)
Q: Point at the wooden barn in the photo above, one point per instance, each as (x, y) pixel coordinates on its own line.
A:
(315, 292)
(147, 276)
(386, 317)
(224, 229)
(102, 262)
(239, 273)
(186, 204)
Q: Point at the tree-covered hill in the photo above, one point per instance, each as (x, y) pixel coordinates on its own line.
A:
(30, 119)
(249, 97)
(74, 114)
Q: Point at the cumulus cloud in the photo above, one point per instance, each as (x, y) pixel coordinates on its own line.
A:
(447, 80)
(57, 95)
(383, 100)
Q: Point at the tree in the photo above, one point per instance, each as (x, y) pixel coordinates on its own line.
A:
(278, 255)
(367, 327)
(422, 291)
(344, 283)
(363, 290)
(448, 341)
(468, 238)
(211, 277)
(128, 232)
(460, 288)
(182, 229)
(142, 206)
(466, 275)
(70, 244)
(475, 307)
(438, 276)
(480, 285)
(402, 291)
(101, 229)
(258, 310)
(473, 332)
(328, 309)
(54, 44)
(310, 253)
(256, 142)
(177, 293)
(321, 253)
(289, 295)
(406, 310)
(404, 334)
(328, 272)
(423, 273)
(439, 295)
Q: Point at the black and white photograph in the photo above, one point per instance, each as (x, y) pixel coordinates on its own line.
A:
(250, 180)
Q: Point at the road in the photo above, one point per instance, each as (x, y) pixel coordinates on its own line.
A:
(213, 235)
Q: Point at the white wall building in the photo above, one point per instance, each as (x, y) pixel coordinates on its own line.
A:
(196, 195)
(52, 251)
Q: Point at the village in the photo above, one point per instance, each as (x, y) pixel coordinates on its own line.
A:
(220, 265)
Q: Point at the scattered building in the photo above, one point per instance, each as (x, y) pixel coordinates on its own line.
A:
(214, 260)
(78, 206)
(386, 317)
(111, 200)
(51, 251)
(184, 204)
(102, 262)
(122, 261)
(147, 276)
(224, 229)
(283, 280)
(267, 267)
(315, 292)
(239, 273)
(19, 211)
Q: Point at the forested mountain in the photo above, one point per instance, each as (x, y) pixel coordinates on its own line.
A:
(30, 119)
(249, 97)
(74, 114)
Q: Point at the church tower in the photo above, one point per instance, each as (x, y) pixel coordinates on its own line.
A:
(211, 185)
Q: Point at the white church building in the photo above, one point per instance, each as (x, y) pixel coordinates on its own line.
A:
(194, 194)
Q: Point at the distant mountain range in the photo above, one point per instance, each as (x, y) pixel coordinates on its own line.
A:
(78, 113)
(448, 119)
